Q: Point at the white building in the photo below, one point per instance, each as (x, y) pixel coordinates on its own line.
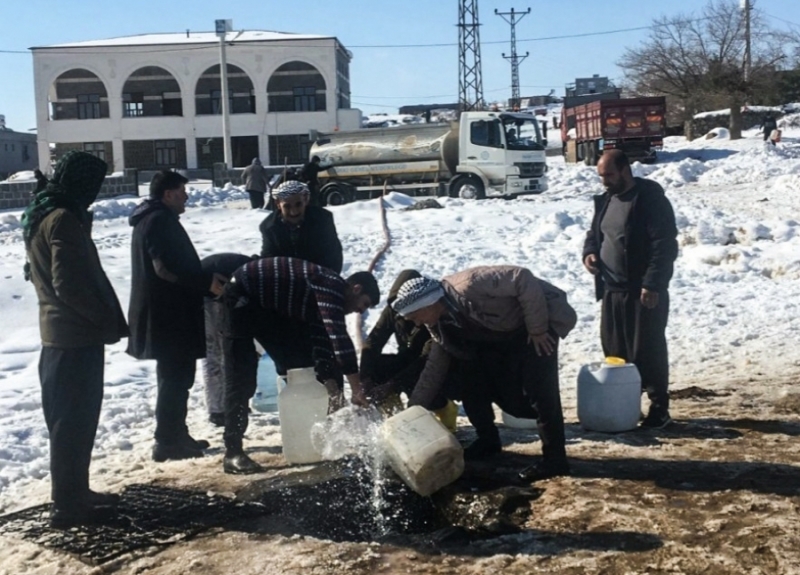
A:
(153, 101)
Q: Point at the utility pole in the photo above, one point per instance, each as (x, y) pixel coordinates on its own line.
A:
(512, 18)
(222, 28)
(748, 60)
(470, 79)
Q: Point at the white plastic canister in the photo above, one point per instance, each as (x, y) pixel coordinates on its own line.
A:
(301, 404)
(518, 422)
(421, 450)
(609, 396)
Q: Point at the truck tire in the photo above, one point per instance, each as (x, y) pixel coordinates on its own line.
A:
(588, 152)
(467, 188)
(334, 195)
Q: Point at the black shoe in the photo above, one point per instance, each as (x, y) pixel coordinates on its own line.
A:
(656, 419)
(483, 448)
(96, 499)
(545, 469)
(76, 516)
(240, 464)
(174, 452)
(217, 419)
(189, 441)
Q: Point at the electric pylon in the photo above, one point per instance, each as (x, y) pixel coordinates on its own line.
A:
(512, 18)
(470, 79)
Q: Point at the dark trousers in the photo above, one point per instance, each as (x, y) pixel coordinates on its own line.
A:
(403, 372)
(175, 377)
(72, 393)
(213, 373)
(285, 340)
(521, 382)
(638, 335)
(256, 199)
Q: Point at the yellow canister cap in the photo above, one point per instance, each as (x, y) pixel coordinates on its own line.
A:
(615, 361)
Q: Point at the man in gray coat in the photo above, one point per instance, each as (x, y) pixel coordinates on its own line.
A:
(497, 329)
(255, 182)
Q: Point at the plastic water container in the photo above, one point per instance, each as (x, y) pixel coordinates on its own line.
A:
(421, 451)
(609, 396)
(301, 404)
(268, 385)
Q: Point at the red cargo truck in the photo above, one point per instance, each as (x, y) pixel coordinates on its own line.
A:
(634, 125)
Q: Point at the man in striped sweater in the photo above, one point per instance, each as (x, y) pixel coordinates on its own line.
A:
(296, 311)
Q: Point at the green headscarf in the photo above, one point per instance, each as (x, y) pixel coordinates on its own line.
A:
(74, 186)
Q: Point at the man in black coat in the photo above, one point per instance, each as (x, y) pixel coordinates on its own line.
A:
(310, 175)
(166, 309)
(298, 230)
(630, 250)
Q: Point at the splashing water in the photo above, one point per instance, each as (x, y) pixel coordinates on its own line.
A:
(355, 432)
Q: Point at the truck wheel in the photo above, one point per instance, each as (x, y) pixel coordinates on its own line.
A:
(467, 188)
(334, 195)
(588, 153)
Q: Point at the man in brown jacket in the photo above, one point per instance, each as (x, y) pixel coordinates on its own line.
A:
(78, 314)
(497, 328)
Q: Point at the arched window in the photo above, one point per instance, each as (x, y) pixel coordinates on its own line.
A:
(208, 93)
(78, 94)
(296, 87)
(151, 91)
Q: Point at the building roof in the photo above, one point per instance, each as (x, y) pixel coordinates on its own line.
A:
(186, 38)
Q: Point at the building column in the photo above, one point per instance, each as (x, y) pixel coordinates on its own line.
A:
(119, 159)
(191, 152)
(43, 147)
(263, 148)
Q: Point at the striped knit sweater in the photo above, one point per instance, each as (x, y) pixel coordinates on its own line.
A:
(301, 290)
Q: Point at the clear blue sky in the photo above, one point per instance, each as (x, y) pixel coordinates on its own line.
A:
(382, 78)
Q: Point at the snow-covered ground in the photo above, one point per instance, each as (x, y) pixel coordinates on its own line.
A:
(735, 306)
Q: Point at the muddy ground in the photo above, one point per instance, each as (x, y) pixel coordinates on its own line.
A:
(717, 492)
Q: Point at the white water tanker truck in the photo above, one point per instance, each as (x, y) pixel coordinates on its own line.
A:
(483, 154)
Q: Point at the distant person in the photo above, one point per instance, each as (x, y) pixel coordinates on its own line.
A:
(310, 175)
(213, 369)
(631, 249)
(497, 328)
(41, 181)
(78, 314)
(166, 309)
(296, 311)
(768, 126)
(299, 230)
(255, 183)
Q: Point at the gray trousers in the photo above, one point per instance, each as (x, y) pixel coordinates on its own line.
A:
(213, 365)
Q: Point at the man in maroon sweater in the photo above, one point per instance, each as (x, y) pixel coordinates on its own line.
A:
(296, 311)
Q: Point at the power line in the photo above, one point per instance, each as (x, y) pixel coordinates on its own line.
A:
(293, 44)
(782, 20)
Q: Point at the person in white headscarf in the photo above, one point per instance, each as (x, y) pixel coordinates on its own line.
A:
(496, 328)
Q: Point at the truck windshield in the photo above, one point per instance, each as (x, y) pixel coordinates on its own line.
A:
(523, 135)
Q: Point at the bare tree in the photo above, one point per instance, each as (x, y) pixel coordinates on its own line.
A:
(698, 61)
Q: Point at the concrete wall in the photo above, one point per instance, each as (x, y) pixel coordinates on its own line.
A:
(114, 66)
(19, 194)
(750, 119)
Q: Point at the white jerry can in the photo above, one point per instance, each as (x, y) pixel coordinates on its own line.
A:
(609, 396)
(301, 404)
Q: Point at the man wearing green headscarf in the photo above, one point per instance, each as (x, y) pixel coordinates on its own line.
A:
(78, 314)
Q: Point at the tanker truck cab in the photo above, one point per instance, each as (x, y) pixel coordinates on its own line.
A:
(483, 154)
(504, 150)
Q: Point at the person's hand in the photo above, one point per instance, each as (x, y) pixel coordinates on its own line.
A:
(336, 400)
(649, 298)
(217, 284)
(359, 398)
(377, 393)
(543, 343)
(590, 263)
